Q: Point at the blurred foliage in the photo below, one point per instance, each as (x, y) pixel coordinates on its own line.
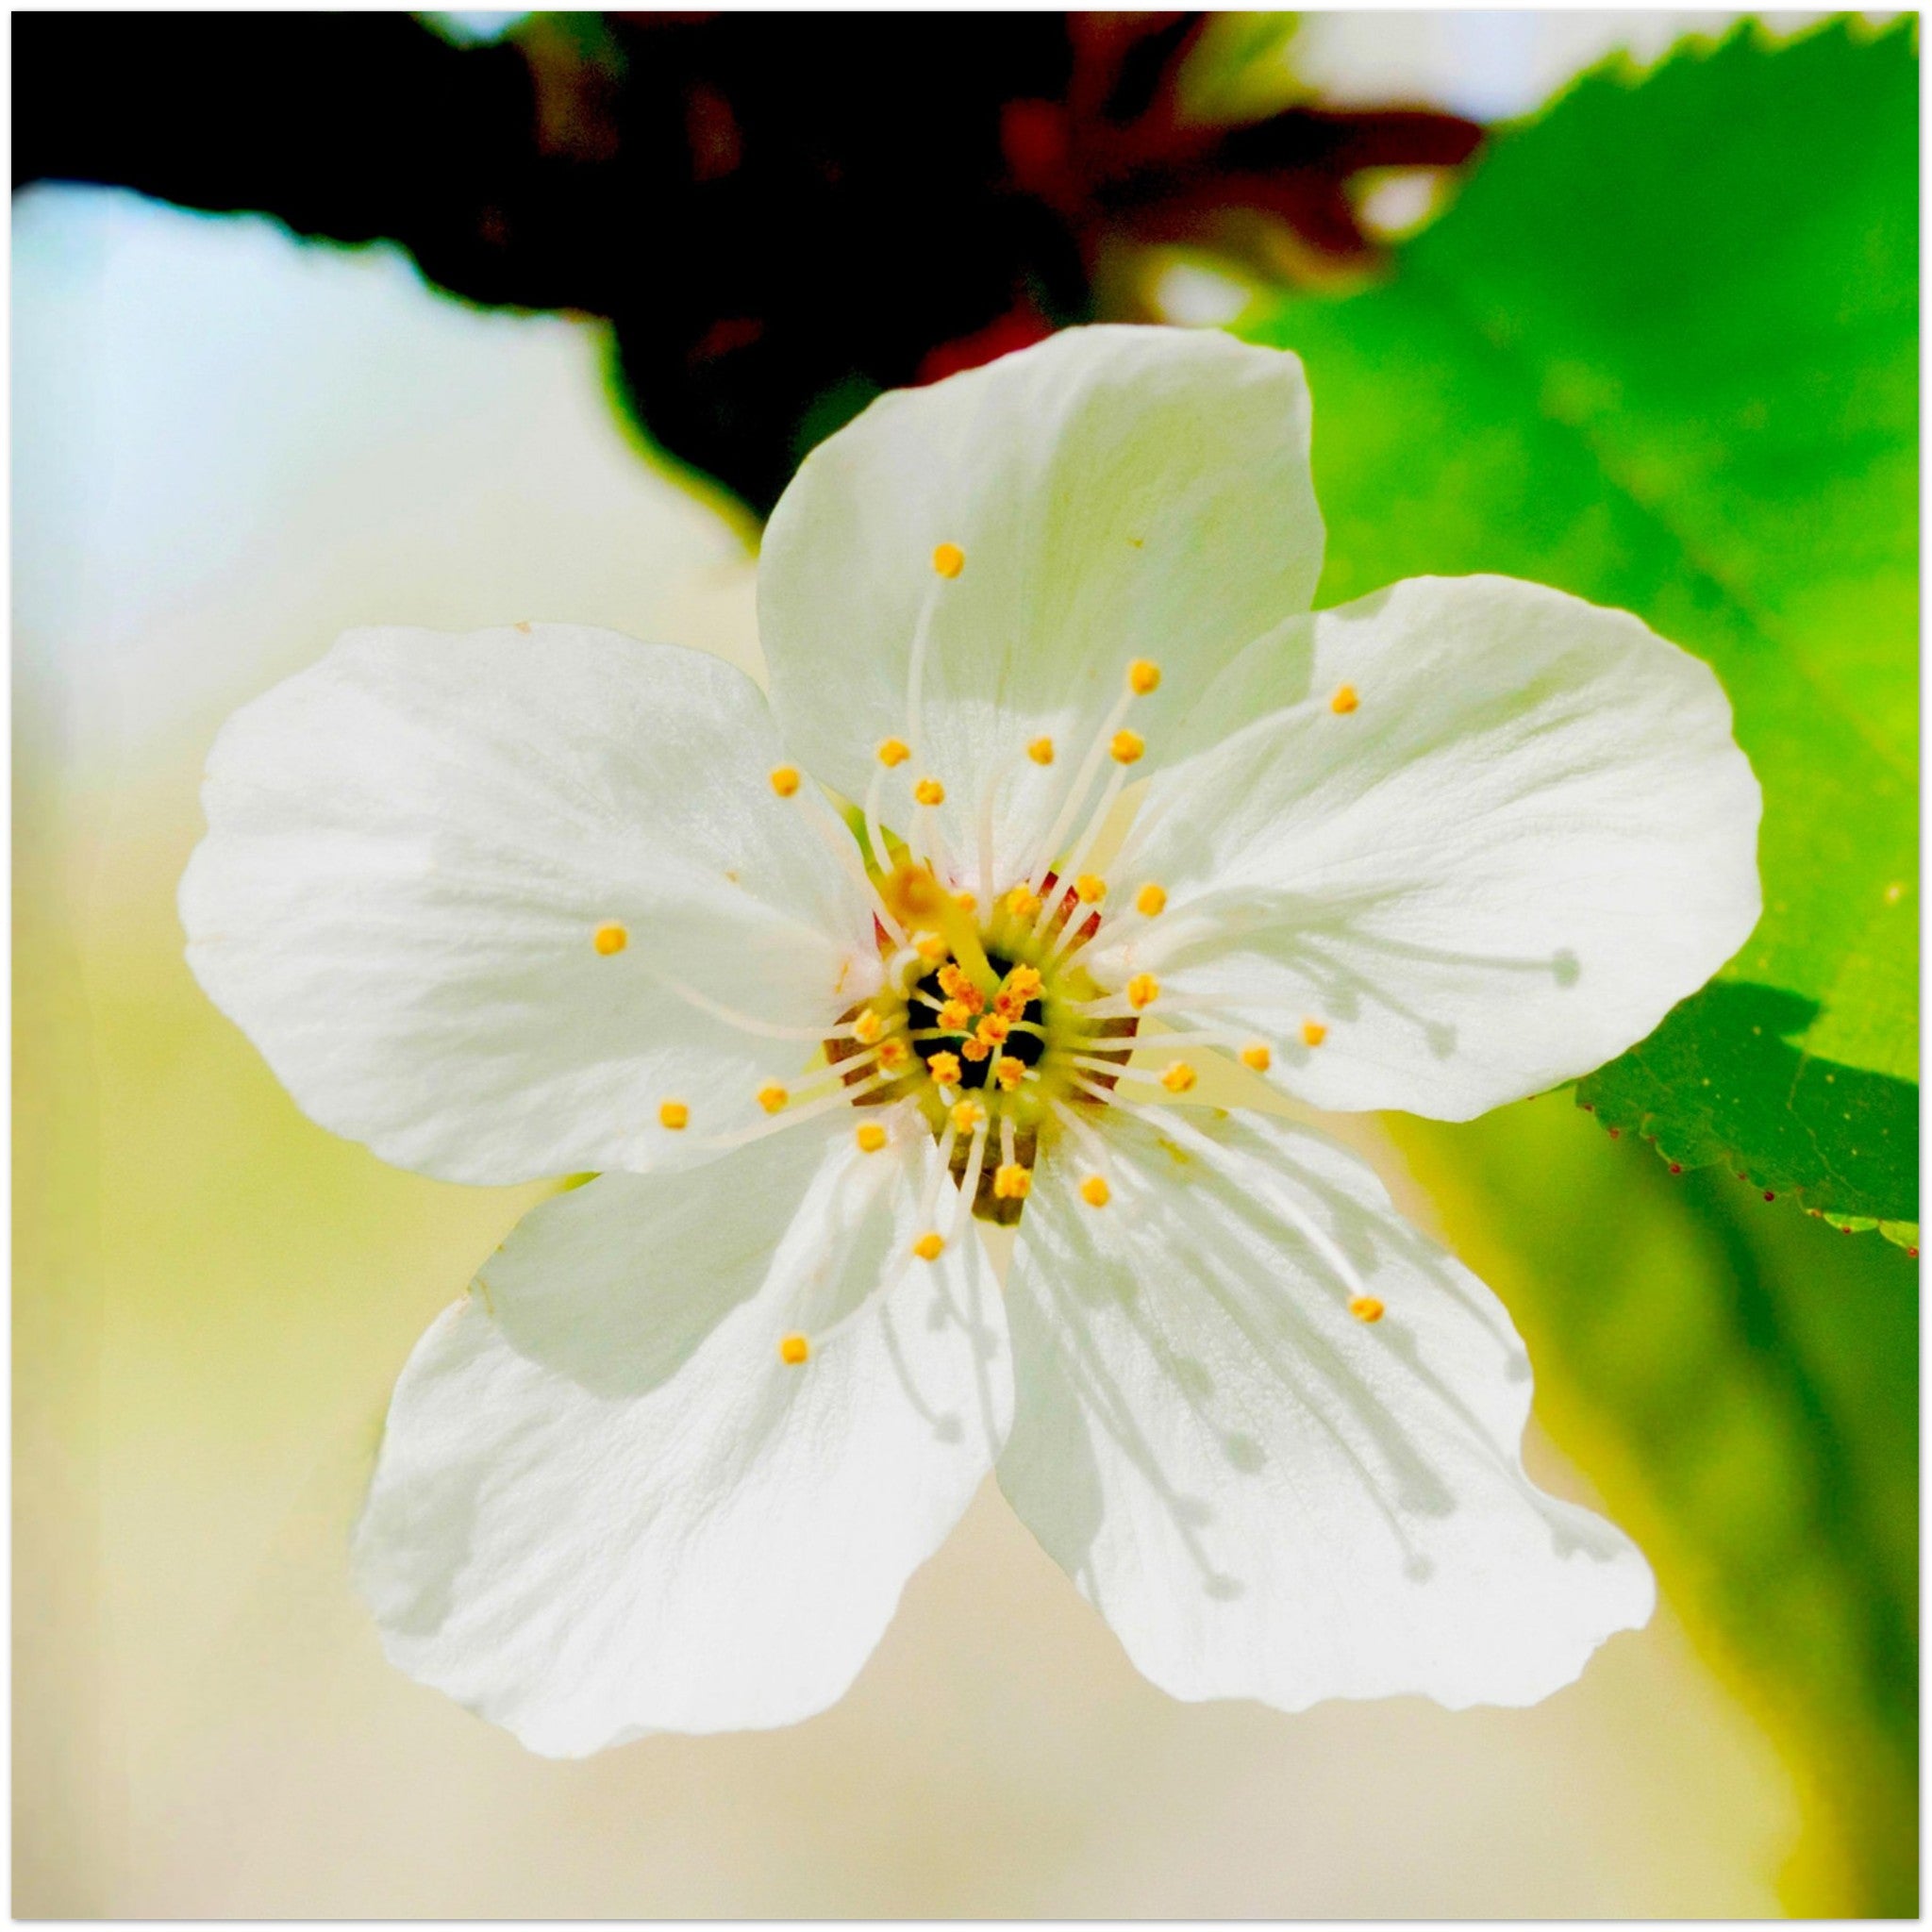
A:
(1663, 353)
(781, 213)
(1743, 1385)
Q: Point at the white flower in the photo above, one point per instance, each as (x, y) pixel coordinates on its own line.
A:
(542, 900)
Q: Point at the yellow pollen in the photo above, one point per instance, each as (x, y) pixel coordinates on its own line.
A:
(871, 1138)
(1040, 750)
(969, 1116)
(945, 1069)
(673, 1114)
(1142, 991)
(927, 1247)
(1023, 982)
(784, 780)
(929, 791)
(1022, 902)
(893, 751)
(975, 1050)
(1256, 1055)
(1012, 1182)
(893, 1053)
(1179, 1077)
(1365, 1308)
(1344, 700)
(992, 1029)
(1143, 675)
(1126, 747)
(774, 1099)
(954, 983)
(1090, 887)
(1095, 1191)
(949, 559)
(1313, 1032)
(795, 1351)
(868, 1029)
(610, 937)
(955, 1016)
(932, 948)
(1010, 1073)
(1009, 1006)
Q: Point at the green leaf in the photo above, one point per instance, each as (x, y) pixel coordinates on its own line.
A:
(1719, 1083)
(1662, 353)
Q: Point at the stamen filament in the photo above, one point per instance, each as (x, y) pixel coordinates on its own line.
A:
(1076, 793)
(745, 1023)
(792, 1116)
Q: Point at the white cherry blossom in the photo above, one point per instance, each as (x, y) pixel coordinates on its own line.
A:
(543, 900)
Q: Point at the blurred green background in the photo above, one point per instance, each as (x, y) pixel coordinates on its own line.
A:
(1659, 348)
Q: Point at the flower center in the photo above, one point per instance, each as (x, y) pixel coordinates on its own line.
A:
(983, 1022)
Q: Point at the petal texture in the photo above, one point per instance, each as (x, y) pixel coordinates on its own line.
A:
(1520, 837)
(1263, 1495)
(1117, 493)
(412, 846)
(605, 1505)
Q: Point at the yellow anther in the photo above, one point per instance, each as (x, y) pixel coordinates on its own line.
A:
(893, 751)
(1126, 747)
(1090, 889)
(966, 902)
(610, 937)
(1025, 982)
(784, 780)
(955, 1016)
(954, 983)
(945, 1069)
(1142, 991)
(869, 1028)
(673, 1114)
(1256, 1055)
(1040, 750)
(893, 1054)
(949, 559)
(975, 1050)
(1179, 1077)
(871, 1138)
(774, 1098)
(1095, 1191)
(929, 791)
(1313, 1032)
(1143, 675)
(1150, 902)
(932, 948)
(1022, 903)
(927, 1246)
(1012, 1182)
(1365, 1308)
(795, 1351)
(1010, 1073)
(969, 1116)
(1344, 700)
(1009, 1006)
(992, 1029)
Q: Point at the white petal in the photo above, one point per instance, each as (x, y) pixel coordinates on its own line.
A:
(1532, 837)
(1263, 1495)
(1119, 493)
(411, 847)
(606, 1507)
